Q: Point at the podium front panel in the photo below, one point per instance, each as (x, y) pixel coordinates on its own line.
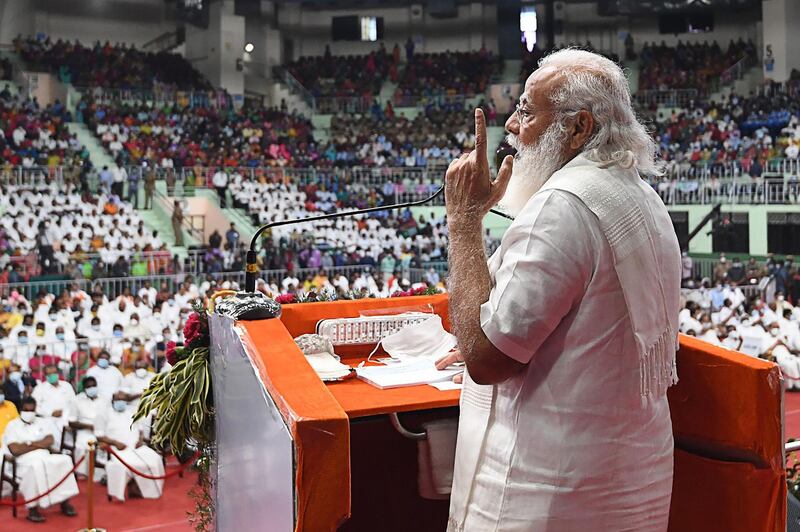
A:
(255, 456)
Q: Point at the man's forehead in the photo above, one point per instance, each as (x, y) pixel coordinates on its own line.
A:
(540, 80)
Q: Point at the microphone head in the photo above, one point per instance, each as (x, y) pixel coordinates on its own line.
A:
(503, 150)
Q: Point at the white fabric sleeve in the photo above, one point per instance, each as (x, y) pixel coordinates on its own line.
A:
(546, 257)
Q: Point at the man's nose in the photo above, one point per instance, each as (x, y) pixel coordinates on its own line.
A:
(512, 124)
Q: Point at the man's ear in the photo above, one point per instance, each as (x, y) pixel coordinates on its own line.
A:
(581, 129)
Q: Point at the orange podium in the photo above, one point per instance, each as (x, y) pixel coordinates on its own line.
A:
(295, 453)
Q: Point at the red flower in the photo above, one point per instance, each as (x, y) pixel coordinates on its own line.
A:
(284, 299)
(172, 356)
(420, 290)
(193, 329)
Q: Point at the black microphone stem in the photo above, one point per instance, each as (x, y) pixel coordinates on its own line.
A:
(251, 270)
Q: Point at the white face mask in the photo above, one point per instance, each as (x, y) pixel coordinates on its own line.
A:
(426, 339)
(141, 372)
(775, 332)
(27, 416)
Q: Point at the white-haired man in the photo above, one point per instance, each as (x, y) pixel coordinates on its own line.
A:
(569, 332)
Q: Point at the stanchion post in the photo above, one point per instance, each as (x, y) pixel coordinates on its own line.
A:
(90, 491)
(90, 488)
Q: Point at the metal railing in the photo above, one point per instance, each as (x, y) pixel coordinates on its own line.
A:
(160, 97)
(667, 97)
(114, 286)
(730, 192)
(417, 100)
(33, 176)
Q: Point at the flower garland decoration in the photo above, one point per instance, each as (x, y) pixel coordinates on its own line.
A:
(182, 404)
(327, 295)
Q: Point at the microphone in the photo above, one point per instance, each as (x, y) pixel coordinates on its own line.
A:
(251, 268)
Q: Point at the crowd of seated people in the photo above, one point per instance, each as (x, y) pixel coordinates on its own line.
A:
(749, 130)
(77, 233)
(365, 240)
(33, 136)
(345, 76)
(449, 73)
(439, 134)
(688, 65)
(177, 137)
(117, 66)
(719, 312)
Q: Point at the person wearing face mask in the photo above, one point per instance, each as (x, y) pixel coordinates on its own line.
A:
(116, 428)
(135, 328)
(29, 438)
(21, 350)
(135, 383)
(8, 411)
(15, 386)
(170, 312)
(95, 336)
(82, 417)
(54, 398)
(107, 376)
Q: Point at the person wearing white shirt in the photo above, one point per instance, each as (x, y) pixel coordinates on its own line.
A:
(220, 182)
(135, 383)
(116, 428)
(29, 439)
(107, 377)
(83, 415)
(54, 399)
(540, 341)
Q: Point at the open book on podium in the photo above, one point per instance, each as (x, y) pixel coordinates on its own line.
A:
(297, 454)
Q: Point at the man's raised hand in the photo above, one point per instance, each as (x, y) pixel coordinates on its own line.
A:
(469, 189)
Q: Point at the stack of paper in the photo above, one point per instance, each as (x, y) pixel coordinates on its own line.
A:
(410, 373)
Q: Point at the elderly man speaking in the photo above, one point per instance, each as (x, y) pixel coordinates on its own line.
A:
(569, 332)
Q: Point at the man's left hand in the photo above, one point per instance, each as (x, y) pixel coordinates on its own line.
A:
(469, 189)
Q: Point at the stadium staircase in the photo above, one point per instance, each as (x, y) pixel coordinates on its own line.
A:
(159, 218)
(97, 153)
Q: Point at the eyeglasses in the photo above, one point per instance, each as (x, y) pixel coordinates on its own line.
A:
(522, 113)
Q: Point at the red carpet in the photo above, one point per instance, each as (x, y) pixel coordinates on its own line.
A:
(166, 513)
(792, 412)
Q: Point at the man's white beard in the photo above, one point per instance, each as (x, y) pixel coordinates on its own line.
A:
(533, 166)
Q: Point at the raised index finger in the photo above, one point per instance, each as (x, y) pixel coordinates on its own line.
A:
(480, 135)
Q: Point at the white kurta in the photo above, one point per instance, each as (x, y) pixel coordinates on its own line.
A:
(109, 380)
(85, 410)
(38, 471)
(119, 426)
(51, 398)
(565, 445)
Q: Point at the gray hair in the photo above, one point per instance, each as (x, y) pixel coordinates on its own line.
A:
(598, 85)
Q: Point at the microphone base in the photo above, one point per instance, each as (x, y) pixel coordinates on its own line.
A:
(248, 306)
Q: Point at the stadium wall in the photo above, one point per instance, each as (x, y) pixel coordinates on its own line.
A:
(310, 30)
(581, 23)
(111, 20)
(16, 17)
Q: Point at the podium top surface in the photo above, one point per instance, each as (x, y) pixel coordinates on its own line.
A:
(359, 399)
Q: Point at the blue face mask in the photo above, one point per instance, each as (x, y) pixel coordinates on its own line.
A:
(103, 363)
(119, 406)
(23, 340)
(117, 334)
(53, 317)
(60, 336)
(15, 376)
(91, 392)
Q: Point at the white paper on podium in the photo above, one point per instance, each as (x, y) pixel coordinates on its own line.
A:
(447, 385)
(410, 373)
